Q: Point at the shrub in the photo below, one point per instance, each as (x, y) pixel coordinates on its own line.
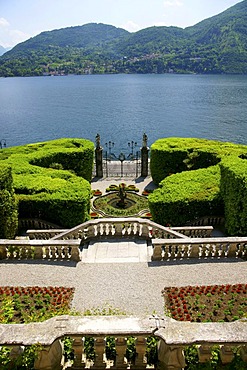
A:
(8, 205)
(234, 192)
(51, 179)
(185, 196)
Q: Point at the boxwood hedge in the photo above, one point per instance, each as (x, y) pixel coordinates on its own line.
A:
(198, 178)
(51, 179)
(8, 205)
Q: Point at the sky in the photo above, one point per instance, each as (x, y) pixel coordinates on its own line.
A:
(22, 19)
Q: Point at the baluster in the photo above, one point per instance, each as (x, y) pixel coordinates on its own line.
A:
(66, 252)
(99, 346)
(186, 251)
(203, 251)
(226, 354)
(47, 252)
(217, 250)
(172, 252)
(15, 352)
(232, 250)
(120, 362)
(157, 252)
(138, 229)
(140, 352)
(241, 250)
(223, 250)
(28, 254)
(166, 252)
(210, 250)
(180, 252)
(77, 347)
(204, 353)
(131, 229)
(59, 252)
(104, 230)
(194, 251)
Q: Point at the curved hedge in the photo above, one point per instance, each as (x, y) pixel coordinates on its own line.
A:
(234, 193)
(51, 179)
(8, 205)
(194, 182)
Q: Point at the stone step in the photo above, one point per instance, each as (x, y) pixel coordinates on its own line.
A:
(116, 251)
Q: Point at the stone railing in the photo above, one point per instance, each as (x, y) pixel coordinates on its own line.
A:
(134, 227)
(44, 234)
(173, 336)
(195, 231)
(130, 227)
(176, 249)
(66, 250)
(35, 223)
(208, 220)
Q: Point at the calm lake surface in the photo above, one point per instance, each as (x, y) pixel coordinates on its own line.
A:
(122, 107)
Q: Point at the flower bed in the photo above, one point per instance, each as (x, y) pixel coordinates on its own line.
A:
(27, 304)
(221, 303)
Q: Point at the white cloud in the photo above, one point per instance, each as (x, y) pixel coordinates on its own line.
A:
(4, 22)
(169, 3)
(131, 26)
(10, 37)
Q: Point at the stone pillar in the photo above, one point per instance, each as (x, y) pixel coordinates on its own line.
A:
(170, 357)
(99, 157)
(50, 357)
(144, 157)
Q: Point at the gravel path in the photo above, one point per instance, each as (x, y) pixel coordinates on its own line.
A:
(134, 288)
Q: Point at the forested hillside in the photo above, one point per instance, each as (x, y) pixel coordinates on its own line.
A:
(215, 45)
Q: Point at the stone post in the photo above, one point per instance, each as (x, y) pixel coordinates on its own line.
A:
(99, 157)
(144, 157)
(50, 357)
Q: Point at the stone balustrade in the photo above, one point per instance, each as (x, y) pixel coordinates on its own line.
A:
(129, 227)
(195, 231)
(66, 250)
(44, 234)
(173, 337)
(176, 249)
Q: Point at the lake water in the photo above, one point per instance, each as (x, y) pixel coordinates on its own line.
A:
(122, 107)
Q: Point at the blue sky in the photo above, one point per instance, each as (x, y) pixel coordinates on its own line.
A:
(22, 19)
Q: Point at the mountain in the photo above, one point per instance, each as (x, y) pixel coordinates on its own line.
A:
(2, 50)
(215, 45)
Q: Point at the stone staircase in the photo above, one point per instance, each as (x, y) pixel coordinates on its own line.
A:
(116, 251)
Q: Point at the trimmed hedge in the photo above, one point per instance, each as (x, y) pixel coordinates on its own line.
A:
(234, 192)
(198, 188)
(187, 196)
(8, 205)
(51, 179)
